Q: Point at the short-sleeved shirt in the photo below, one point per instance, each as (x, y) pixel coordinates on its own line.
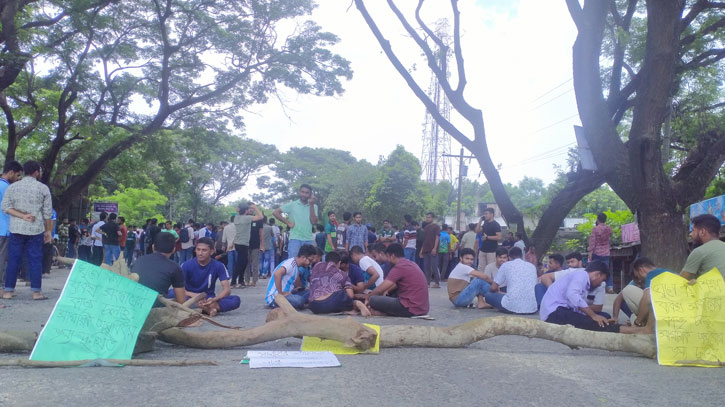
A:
(410, 234)
(387, 233)
(365, 263)
(111, 233)
(288, 280)
(468, 241)
(29, 196)
(325, 279)
(490, 229)
(520, 279)
(243, 229)
(341, 235)
(202, 279)
(357, 235)
(254, 240)
(299, 214)
(706, 257)
(412, 286)
(356, 274)
(124, 235)
(268, 236)
(429, 237)
(652, 274)
(330, 230)
(453, 243)
(458, 280)
(158, 273)
(491, 270)
(444, 243)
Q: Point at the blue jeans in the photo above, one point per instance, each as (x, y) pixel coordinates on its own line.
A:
(128, 254)
(29, 247)
(605, 260)
(267, 263)
(113, 252)
(539, 291)
(494, 299)
(298, 299)
(185, 254)
(231, 260)
(409, 253)
(475, 288)
(294, 247)
(71, 252)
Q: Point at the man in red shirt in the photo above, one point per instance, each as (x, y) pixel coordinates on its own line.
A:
(599, 247)
(410, 283)
(124, 234)
(429, 250)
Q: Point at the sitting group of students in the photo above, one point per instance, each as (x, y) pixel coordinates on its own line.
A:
(354, 283)
(384, 282)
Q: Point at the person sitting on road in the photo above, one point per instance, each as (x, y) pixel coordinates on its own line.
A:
(411, 285)
(371, 269)
(595, 297)
(355, 274)
(157, 272)
(282, 280)
(200, 276)
(556, 263)
(565, 301)
(331, 289)
(466, 283)
(629, 299)
(519, 277)
(377, 252)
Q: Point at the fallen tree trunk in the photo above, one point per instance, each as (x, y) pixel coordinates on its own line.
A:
(458, 336)
(15, 341)
(125, 362)
(283, 322)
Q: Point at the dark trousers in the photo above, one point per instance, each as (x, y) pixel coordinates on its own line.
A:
(30, 247)
(241, 264)
(48, 252)
(337, 302)
(84, 253)
(97, 255)
(390, 306)
(565, 316)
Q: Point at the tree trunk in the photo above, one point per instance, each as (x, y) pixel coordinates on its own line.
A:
(663, 234)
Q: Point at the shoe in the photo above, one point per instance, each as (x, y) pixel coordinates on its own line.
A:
(610, 290)
(436, 285)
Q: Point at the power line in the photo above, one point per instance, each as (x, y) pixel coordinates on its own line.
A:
(552, 89)
(552, 99)
(554, 124)
(542, 156)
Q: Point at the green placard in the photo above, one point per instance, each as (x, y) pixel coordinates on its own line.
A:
(98, 315)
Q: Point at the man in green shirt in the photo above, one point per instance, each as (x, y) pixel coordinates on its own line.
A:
(331, 232)
(387, 234)
(301, 215)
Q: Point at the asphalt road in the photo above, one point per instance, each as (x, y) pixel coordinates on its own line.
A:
(506, 370)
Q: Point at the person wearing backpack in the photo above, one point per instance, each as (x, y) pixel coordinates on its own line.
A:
(187, 243)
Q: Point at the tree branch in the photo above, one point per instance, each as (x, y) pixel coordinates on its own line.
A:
(699, 168)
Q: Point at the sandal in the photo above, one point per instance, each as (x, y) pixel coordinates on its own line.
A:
(40, 298)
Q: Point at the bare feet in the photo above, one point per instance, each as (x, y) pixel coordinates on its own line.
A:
(483, 305)
(364, 311)
(436, 285)
(211, 309)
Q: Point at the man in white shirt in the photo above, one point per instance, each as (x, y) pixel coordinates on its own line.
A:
(369, 266)
(520, 242)
(520, 279)
(187, 247)
(466, 283)
(97, 256)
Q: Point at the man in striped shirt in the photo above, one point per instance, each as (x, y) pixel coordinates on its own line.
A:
(286, 275)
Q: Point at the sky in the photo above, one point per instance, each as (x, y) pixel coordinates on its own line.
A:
(518, 62)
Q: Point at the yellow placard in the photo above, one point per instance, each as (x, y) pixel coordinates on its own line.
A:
(690, 326)
(312, 344)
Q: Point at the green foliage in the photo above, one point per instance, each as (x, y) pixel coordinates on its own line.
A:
(395, 192)
(136, 204)
(615, 220)
(717, 186)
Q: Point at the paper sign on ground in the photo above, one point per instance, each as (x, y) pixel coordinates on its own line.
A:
(313, 344)
(690, 319)
(262, 359)
(98, 315)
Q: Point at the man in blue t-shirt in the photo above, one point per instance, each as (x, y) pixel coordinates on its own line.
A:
(200, 276)
(11, 173)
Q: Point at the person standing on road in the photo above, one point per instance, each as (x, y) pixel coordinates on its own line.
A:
(11, 173)
(301, 215)
(490, 236)
(28, 202)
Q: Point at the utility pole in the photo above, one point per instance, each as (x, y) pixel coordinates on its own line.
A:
(460, 185)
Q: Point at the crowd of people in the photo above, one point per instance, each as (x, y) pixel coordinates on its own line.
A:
(348, 266)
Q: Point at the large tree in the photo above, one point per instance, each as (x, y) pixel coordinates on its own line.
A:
(185, 59)
(632, 60)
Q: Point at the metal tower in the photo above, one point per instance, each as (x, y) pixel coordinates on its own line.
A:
(436, 142)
